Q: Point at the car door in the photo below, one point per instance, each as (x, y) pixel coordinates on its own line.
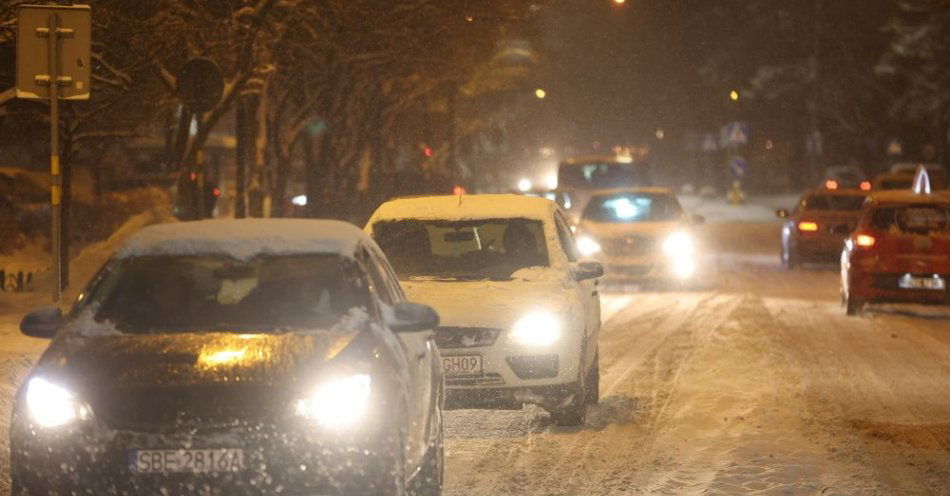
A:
(419, 354)
(587, 291)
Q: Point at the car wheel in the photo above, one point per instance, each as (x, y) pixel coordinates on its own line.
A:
(593, 381)
(575, 413)
(853, 306)
(431, 476)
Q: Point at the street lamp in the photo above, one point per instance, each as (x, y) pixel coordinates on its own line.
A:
(734, 95)
(540, 93)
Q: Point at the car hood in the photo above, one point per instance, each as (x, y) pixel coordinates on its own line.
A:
(494, 304)
(599, 230)
(135, 381)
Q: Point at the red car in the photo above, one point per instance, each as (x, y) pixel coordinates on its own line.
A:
(899, 252)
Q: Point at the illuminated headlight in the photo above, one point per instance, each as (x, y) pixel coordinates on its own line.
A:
(537, 329)
(679, 248)
(587, 246)
(52, 406)
(338, 403)
(678, 244)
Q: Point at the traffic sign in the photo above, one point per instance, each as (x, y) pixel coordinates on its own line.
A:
(70, 29)
(734, 134)
(738, 167)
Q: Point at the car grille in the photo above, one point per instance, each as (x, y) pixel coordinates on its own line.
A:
(465, 337)
(629, 246)
(158, 409)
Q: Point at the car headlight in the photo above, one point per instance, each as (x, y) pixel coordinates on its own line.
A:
(587, 246)
(50, 405)
(537, 329)
(339, 402)
(678, 244)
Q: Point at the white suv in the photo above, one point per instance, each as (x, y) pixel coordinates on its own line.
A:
(520, 313)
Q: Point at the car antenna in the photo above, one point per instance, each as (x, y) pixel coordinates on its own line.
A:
(921, 181)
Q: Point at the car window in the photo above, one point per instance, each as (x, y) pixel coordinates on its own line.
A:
(464, 249)
(625, 208)
(392, 282)
(566, 238)
(913, 219)
(159, 294)
(831, 202)
(377, 278)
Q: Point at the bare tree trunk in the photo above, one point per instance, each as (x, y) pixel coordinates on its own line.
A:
(240, 160)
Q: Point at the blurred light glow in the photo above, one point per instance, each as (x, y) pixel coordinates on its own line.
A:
(831, 184)
(587, 246)
(551, 181)
(51, 405)
(540, 93)
(539, 328)
(428, 151)
(660, 134)
(299, 200)
(625, 209)
(338, 403)
(865, 240)
(678, 245)
(620, 2)
(808, 226)
(865, 186)
(734, 95)
(221, 357)
(524, 185)
(458, 190)
(684, 268)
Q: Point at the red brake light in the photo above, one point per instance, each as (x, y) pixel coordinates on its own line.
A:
(808, 226)
(865, 186)
(831, 184)
(864, 240)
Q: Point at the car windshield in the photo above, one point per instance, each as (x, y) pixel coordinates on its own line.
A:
(913, 219)
(158, 294)
(831, 202)
(462, 250)
(889, 184)
(633, 207)
(602, 175)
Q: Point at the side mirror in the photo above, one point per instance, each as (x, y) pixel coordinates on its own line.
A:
(413, 317)
(42, 323)
(781, 213)
(588, 270)
(697, 219)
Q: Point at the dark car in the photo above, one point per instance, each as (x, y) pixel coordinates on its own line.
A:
(816, 229)
(234, 357)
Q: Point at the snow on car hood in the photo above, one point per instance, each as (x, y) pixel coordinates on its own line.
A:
(612, 230)
(494, 304)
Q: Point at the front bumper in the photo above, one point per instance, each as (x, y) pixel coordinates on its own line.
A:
(656, 267)
(278, 459)
(510, 398)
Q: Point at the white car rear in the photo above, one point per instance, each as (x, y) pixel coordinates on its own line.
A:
(520, 314)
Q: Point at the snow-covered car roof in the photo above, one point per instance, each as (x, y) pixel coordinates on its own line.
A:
(908, 196)
(245, 238)
(655, 190)
(836, 192)
(466, 207)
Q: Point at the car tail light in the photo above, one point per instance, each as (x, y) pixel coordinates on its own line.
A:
(808, 226)
(864, 240)
(831, 184)
(865, 186)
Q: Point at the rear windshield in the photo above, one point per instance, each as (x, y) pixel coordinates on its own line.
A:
(464, 249)
(159, 294)
(633, 207)
(604, 175)
(914, 219)
(831, 202)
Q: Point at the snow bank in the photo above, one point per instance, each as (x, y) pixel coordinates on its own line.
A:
(245, 238)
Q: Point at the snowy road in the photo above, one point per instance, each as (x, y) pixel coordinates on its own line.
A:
(758, 384)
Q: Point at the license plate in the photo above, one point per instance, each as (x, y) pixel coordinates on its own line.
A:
(911, 282)
(186, 460)
(462, 365)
